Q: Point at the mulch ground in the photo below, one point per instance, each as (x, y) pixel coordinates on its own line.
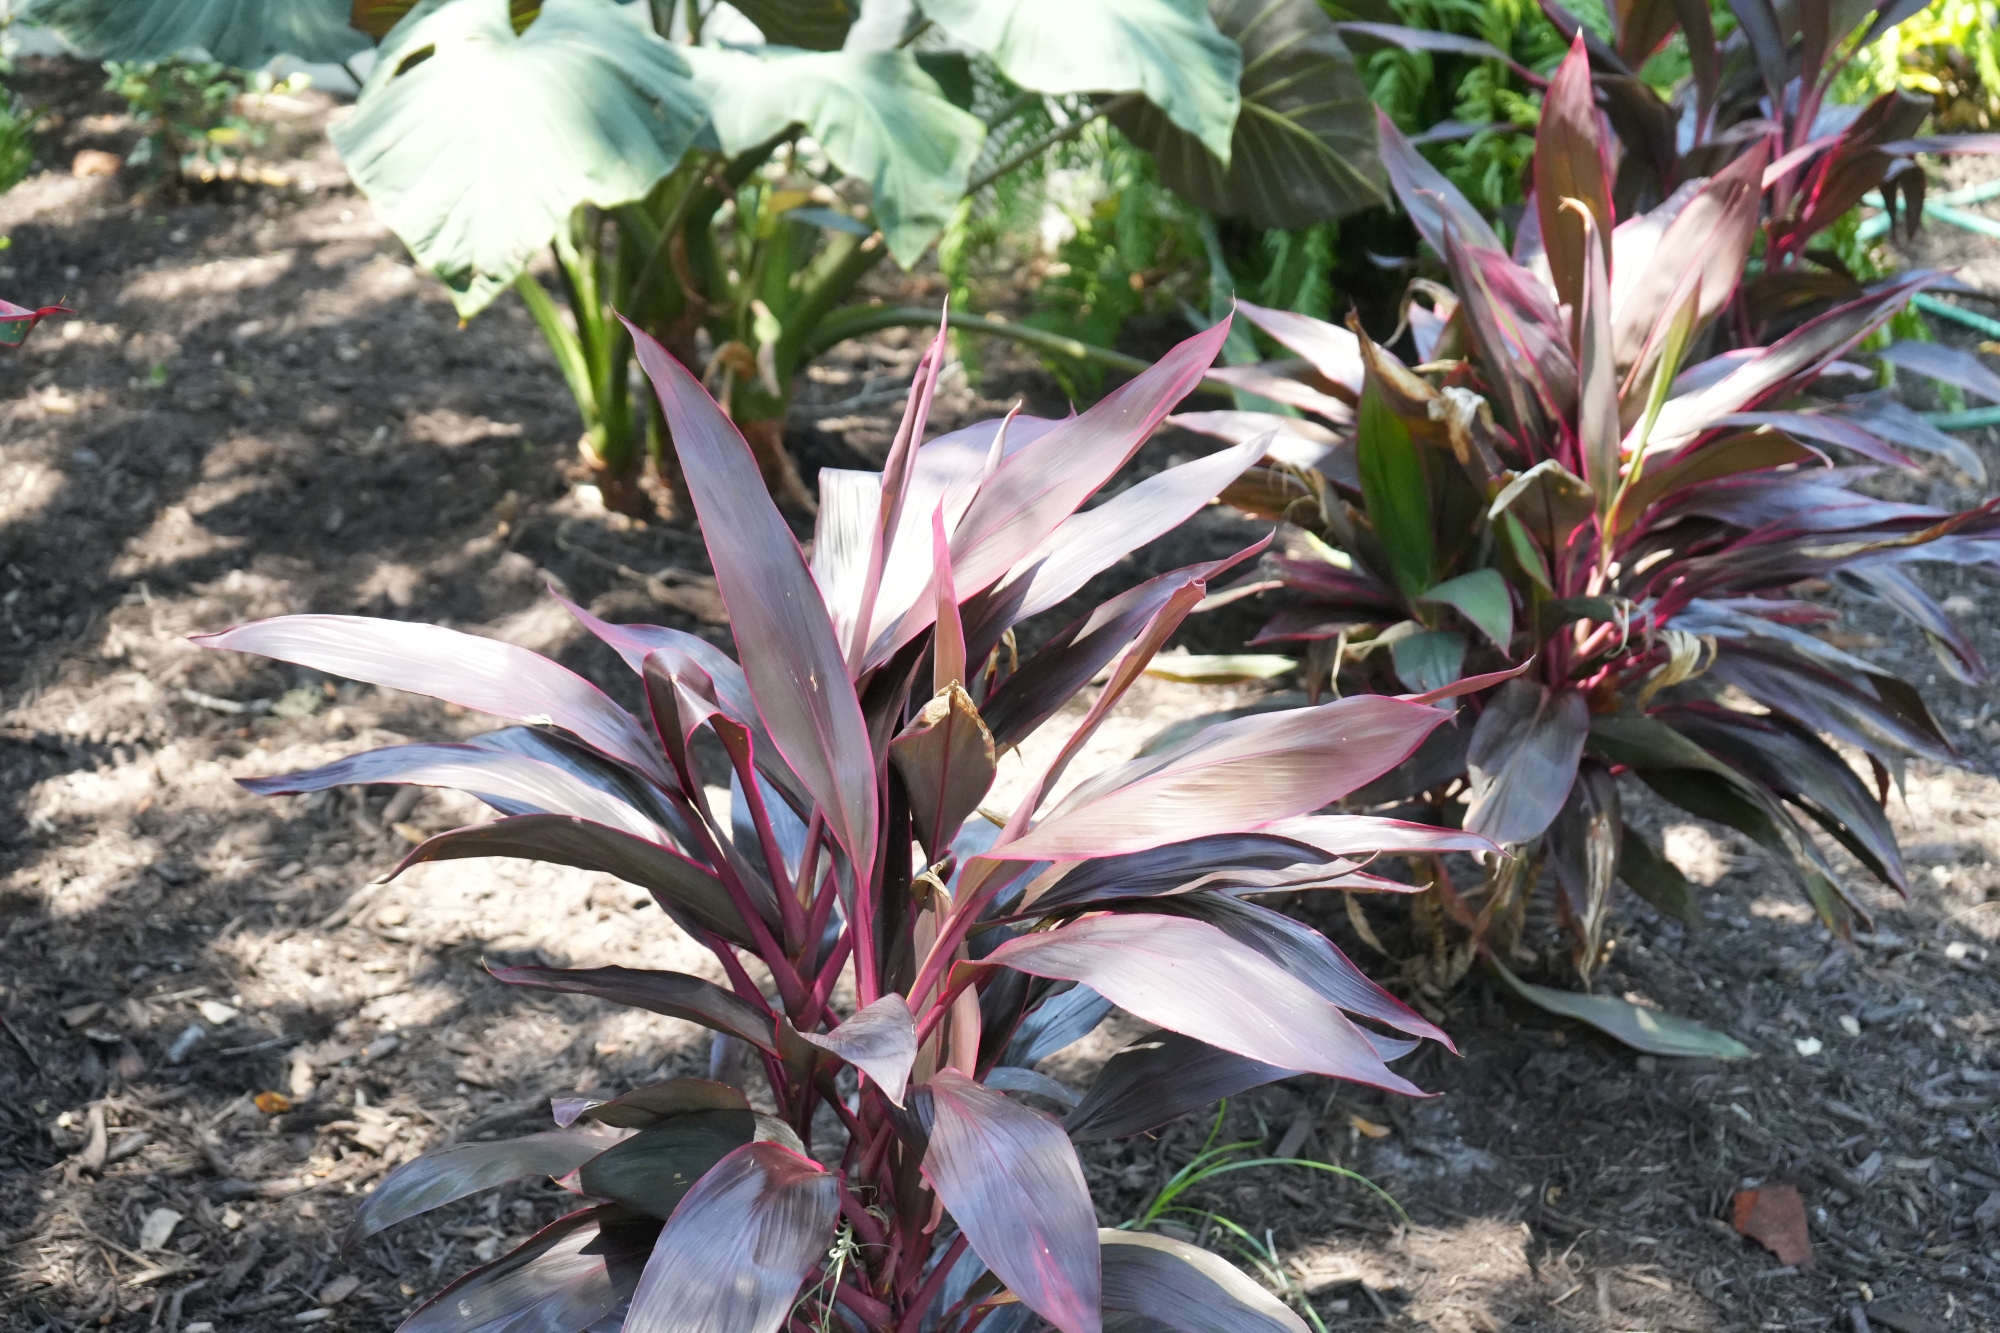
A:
(262, 408)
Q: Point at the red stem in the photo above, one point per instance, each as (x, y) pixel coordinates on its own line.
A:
(874, 1313)
(913, 1314)
(774, 862)
(829, 976)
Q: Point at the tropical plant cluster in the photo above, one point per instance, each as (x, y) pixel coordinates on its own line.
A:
(895, 1165)
(1622, 452)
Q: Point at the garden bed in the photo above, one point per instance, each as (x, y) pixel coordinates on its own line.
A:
(261, 408)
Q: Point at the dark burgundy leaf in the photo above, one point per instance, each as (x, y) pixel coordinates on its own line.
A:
(1156, 1282)
(1524, 753)
(1011, 1181)
(643, 1108)
(680, 885)
(1309, 956)
(651, 1171)
(1427, 196)
(1075, 654)
(1656, 879)
(1191, 977)
(1088, 543)
(1034, 490)
(879, 1039)
(1161, 1077)
(795, 670)
(513, 780)
(574, 1273)
(671, 993)
(1231, 777)
(438, 1177)
(1953, 365)
(1826, 702)
(1068, 1016)
(945, 757)
(733, 1256)
(1798, 766)
(1570, 163)
(482, 674)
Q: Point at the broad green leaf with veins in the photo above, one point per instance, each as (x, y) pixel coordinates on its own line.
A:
(876, 113)
(1167, 49)
(475, 153)
(231, 31)
(1304, 147)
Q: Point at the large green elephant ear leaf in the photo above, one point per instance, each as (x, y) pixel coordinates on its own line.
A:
(245, 35)
(475, 143)
(1168, 50)
(1304, 150)
(876, 113)
(814, 25)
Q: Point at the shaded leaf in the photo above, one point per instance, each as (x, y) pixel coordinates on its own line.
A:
(945, 757)
(1641, 1028)
(1482, 598)
(573, 1273)
(879, 1039)
(445, 1174)
(739, 1246)
(242, 36)
(654, 1169)
(811, 25)
(1953, 365)
(1396, 492)
(794, 667)
(1523, 757)
(1570, 163)
(1161, 1077)
(1427, 196)
(1053, 1024)
(1429, 660)
(1550, 502)
(643, 1108)
(1193, 978)
(671, 993)
(1160, 1282)
(507, 780)
(1656, 879)
(1074, 655)
(1583, 845)
(1012, 1182)
(678, 884)
(1302, 149)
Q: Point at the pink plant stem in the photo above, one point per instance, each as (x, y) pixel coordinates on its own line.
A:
(829, 976)
(790, 988)
(873, 1313)
(866, 1225)
(928, 1293)
(789, 912)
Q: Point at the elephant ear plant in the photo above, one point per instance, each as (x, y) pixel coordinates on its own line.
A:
(922, 952)
(1566, 480)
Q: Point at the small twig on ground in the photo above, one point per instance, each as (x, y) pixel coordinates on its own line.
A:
(21, 1040)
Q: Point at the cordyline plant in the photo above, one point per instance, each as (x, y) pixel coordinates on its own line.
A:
(1564, 482)
(877, 684)
(18, 321)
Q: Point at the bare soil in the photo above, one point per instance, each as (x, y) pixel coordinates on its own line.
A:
(262, 408)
